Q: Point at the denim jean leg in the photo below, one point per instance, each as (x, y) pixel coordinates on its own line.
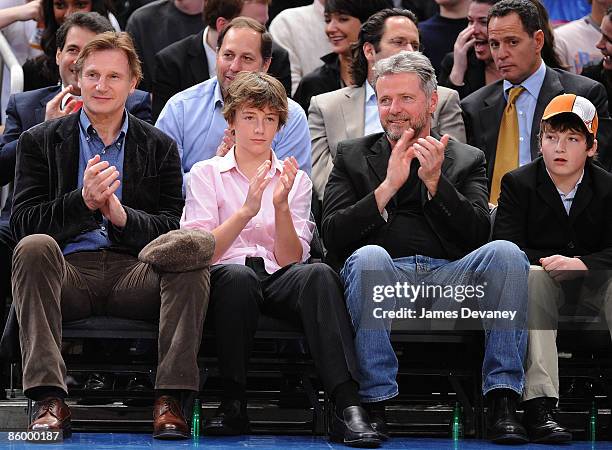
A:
(375, 356)
(503, 269)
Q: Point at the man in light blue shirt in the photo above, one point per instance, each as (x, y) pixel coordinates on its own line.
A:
(525, 109)
(193, 117)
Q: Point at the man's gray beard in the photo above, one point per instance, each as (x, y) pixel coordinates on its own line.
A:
(396, 137)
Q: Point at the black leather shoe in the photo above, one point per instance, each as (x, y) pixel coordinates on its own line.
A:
(99, 382)
(540, 423)
(139, 383)
(504, 427)
(378, 421)
(354, 428)
(230, 419)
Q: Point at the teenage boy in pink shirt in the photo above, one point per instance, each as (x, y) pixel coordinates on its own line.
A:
(258, 209)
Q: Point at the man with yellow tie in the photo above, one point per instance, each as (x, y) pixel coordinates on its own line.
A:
(503, 118)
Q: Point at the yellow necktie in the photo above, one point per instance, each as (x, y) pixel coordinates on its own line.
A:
(507, 154)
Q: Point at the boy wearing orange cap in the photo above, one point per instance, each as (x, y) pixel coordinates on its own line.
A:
(558, 210)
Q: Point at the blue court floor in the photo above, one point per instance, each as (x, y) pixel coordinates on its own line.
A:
(90, 441)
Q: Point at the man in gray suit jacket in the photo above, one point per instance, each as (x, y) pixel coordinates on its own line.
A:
(516, 42)
(351, 112)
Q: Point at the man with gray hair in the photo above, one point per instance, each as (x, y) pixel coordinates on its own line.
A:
(405, 211)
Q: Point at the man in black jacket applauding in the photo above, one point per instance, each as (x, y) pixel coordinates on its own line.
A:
(407, 214)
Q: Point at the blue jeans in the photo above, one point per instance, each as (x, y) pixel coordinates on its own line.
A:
(500, 265)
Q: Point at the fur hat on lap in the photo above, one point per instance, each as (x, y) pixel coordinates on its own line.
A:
(179, 251)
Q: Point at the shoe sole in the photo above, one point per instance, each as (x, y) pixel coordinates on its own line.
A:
(359, 443)
(66, 432)
(554, 438)
(510, 439)
(171, 435)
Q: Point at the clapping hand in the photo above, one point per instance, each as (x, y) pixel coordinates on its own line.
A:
(99, 182)
(430, 153)
(280, 198)
(257, 186)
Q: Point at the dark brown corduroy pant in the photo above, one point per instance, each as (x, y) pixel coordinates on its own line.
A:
(49, 288)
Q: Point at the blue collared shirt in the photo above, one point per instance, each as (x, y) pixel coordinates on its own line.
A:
(91, 144)
(525, 109)
(372, 120)
(193, 119)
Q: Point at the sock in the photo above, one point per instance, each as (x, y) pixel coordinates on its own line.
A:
(174, 393)
(39, 393)
(345, 395)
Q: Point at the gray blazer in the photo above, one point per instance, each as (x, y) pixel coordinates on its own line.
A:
(340, 115)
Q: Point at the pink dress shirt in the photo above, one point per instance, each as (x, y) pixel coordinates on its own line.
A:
(217, 189)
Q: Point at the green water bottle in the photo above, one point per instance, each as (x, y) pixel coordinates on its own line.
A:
(457, 423)
(593, 422)
(195, 419)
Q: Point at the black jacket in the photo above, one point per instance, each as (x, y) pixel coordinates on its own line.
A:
(47, 199)
(596, 72)
(530, 213)
(183, 64)
(325, 78)
(458, 213)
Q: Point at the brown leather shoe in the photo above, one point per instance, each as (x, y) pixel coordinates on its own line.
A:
(168, 419)
(51, 414)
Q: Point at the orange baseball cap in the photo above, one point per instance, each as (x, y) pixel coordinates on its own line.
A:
(575, 104)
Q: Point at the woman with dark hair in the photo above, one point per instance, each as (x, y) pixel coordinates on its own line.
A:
(343, 19)
(549, 54)
(43, 71)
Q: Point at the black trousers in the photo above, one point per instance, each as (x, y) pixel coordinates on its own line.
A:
(309, 296)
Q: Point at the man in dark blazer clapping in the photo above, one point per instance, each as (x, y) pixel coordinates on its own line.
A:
(406, 207)
(26, 109)
(92, 189)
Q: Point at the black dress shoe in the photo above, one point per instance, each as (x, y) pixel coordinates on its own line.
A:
(378, 421)
(504, 427)
(230, 419)
(540, 423)
(99, 382)
(354, 428)
(139, 383)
